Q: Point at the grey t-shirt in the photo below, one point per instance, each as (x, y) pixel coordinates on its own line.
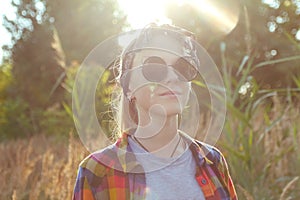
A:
(168, 178)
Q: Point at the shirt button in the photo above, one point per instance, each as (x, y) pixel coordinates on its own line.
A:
(203, 181)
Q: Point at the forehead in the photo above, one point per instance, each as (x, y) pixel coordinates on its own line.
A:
(162, 46)
(166, 43)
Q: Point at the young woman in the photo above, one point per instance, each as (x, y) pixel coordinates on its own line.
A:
(153, 158)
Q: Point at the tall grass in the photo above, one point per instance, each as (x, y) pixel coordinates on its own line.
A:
(39, 168)
(263, 157)
(262, 153)
(261, 136)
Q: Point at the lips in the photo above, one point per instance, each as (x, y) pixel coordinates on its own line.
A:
(170, 93)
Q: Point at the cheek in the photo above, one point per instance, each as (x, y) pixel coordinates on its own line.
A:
(186, 88)
(142, 93)
(136, 82)
(144, 97)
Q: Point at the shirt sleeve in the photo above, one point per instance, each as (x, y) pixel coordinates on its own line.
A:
(83, 189)
(223, 168)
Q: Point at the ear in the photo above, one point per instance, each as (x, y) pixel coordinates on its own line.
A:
(128, 94)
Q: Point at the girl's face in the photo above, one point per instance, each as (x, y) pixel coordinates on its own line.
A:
(163, 90)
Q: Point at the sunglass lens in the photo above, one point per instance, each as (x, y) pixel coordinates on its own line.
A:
(154, 60)
(154, 72)
(154, 69)
(186, 71)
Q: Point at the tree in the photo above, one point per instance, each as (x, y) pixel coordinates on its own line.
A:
(273, 36)
(37, 54)
(39, 60)
(37, 57)
(38, 64)
(264, 32)
(82, 25)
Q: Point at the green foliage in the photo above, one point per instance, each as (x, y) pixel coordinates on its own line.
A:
(15, 119)
(36, 55)
(19, 119)
(6, 80)
(84, 24)
(56, 122)
(38, 62)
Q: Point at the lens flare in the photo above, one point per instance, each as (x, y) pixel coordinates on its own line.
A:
(221, 16)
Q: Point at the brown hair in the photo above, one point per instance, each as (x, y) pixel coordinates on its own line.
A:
(126, 112)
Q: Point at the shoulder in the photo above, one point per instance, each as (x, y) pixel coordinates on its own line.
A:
(202, 150)
(100, 162)
(216, 159)
(92, 177)
(114, 158)
(211, 153)
(211, 157)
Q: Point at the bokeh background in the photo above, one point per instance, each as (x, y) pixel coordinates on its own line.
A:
(255, 44)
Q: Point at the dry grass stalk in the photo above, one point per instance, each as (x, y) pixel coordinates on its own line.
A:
(273, 153)
(288, 187)
(14, 195)
(39, 168)
(245, 192)
(280, 138)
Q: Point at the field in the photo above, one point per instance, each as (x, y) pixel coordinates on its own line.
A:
(39, 168)
(264, 160)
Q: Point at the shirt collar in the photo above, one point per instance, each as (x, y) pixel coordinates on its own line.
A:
(129, 163)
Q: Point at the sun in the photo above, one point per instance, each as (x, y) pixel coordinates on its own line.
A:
(142, 12)
(223, 15)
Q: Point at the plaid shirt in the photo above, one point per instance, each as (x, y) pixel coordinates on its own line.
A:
(98, 181)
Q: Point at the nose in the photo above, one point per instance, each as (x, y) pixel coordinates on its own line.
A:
(172, 75)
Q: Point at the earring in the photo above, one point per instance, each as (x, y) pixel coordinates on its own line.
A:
(132, 99)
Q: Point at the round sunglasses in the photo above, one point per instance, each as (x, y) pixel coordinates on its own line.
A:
(155, 69)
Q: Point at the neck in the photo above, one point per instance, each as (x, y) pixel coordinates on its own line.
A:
(159, 135)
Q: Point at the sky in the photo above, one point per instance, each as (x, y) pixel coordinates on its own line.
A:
(148, 11)
(5, 9)
(139, 13)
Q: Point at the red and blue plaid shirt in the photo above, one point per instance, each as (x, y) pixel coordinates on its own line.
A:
(97, 180)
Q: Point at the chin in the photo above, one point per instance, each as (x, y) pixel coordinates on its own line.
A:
(167, 109)
(173, 110)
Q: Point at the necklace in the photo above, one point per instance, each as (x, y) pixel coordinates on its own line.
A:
(173, 152)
